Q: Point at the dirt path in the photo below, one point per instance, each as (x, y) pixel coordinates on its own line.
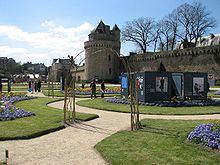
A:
(75, 145)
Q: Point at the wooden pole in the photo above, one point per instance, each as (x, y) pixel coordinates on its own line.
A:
(131, 100)
(137, 104)
(48, 91)
(65, 100)
(52, 89)
(74, 99)
(6, 156)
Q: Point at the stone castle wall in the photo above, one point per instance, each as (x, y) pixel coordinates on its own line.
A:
(100, 61)
(199, 59)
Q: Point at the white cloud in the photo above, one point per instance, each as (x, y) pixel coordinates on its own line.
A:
(22, 54)
(55, 42)
(5, 50)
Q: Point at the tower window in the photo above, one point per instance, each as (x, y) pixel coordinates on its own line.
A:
(110, 71)
(109, 57)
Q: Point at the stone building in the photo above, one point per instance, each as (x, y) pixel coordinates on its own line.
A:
(78, 72)
(59, 68)
(37, 68)
(102, 53)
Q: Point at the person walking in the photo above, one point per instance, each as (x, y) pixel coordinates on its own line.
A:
(102, 89)
(29, 86)
(35, 86)
(32, 86)
(93, 88)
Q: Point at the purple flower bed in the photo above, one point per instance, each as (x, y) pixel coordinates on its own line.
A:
(206, 134)
(10, 112)
(168, 104)
(98, 92)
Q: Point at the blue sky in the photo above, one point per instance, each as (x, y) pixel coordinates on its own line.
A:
(40, 30)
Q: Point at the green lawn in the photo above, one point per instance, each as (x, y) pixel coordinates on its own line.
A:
(16, 89)
(47, 119)
(60, 94)
(215, 86)
(161, 142)
(24, 87)
(211, 94)
(153, 110)
(56, 93)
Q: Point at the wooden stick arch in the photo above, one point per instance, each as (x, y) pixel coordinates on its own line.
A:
(69, 100)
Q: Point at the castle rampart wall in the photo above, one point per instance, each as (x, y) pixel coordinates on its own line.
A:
(199, 59)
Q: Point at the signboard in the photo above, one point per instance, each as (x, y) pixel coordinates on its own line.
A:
(198, 85)
(140, 81)
(161, 84)
(124, 82)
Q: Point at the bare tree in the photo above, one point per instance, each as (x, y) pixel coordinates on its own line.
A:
(188, 23)
(140, 31)
(194, 22)
(202, 21)
(173, 24)
(168, 27)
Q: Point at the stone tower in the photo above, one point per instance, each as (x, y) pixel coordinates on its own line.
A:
(102, 53)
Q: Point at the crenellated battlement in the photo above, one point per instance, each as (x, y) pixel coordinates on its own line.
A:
(199, 59)
(101, 44)
(149, 56)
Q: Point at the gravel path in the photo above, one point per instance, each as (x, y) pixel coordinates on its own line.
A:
(74, 145)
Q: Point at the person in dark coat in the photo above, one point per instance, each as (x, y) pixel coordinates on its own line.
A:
(35, 86)
(39, 85)
(93, 89)
(29, 84)
(102, 89)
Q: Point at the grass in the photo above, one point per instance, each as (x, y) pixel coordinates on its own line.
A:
(218, 86)
(211, 94)
(24, 87)
(16, 89)
(153, 110)
(47, 119)
(160, 142)
(56, 93)
(60, 94)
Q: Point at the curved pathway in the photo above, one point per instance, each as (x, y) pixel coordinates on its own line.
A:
(75, 144)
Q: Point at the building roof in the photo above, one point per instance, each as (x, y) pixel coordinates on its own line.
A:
(102, 28)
